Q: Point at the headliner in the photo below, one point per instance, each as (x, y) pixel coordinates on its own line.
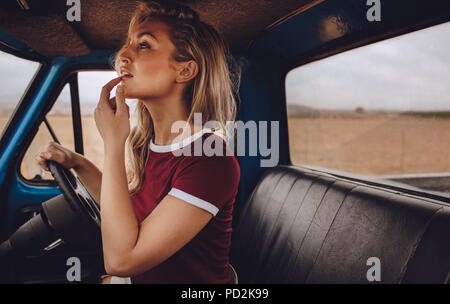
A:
(104, 23)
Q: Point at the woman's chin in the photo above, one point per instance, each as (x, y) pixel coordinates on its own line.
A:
(127, 92)
(130, 95)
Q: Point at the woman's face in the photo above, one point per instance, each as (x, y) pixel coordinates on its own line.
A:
(148, 58)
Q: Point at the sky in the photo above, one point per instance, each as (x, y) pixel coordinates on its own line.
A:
(90, 84)
(16, 73)
(407, 73)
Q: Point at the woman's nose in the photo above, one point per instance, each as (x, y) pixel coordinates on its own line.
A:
(125, 56)
(124, 59)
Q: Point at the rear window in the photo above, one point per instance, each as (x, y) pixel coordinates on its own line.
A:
(379, 110)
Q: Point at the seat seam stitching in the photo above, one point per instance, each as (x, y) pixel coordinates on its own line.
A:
(252, 235)
(326, 235)
(312, 220)
(416, 245)
(301, 203)
(281, 208)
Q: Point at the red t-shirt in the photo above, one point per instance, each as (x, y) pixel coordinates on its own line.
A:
(208, 182)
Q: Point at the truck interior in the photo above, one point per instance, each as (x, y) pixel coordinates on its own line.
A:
(293, 223)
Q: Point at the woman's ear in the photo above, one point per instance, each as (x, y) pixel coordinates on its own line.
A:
(188, 70)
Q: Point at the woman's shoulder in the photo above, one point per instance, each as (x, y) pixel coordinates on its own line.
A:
(210, 155)
(207, 145)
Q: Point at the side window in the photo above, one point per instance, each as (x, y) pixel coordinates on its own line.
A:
(16, 73)
(90, 85)
(59, 119)
(382, 110)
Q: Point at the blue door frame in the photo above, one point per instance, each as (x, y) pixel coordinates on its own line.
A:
(18, 192)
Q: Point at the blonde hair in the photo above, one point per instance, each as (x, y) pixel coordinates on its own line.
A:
(210, 93)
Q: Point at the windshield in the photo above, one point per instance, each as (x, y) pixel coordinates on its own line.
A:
(15, 75)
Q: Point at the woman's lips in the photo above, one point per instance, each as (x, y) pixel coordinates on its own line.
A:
(125, 74)
(125, 77)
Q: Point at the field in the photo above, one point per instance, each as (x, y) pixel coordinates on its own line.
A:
(367, 144)
(92, 141)
(372, 145)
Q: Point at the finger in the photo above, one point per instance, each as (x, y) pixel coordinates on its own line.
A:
(49, 145)
(42, 162)
(54, 155)
(52, 146)
(107, 88)
(53, 149)
(120, 101)
(112, 102)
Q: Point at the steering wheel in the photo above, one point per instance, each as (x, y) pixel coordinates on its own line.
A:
(75, 192)
(72, 217)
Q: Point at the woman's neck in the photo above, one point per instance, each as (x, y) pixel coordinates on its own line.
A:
(165, 117)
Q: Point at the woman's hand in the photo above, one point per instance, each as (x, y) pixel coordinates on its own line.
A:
(53, 151)
(113, 124)
(87, 172)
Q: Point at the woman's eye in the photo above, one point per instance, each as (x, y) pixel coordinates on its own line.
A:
(143, 45)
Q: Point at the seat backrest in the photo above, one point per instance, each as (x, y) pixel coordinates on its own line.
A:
(303, 226)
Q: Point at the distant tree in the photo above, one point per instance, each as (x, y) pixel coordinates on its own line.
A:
(360, 110)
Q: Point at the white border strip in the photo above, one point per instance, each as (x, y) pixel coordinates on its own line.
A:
(120, 280)
(194, 201)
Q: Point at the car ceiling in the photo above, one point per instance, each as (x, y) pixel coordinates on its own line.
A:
(104, 23)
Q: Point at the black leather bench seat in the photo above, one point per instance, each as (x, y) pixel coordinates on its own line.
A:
(304, 226)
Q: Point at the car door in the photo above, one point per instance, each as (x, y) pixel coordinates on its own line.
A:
(48, 110)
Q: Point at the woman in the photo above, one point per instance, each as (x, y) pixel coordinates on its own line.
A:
(166, 218)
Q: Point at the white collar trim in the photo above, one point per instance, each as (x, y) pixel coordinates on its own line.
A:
(178, 145)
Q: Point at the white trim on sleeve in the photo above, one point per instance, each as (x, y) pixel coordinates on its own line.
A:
(194, 201)
(178, 145)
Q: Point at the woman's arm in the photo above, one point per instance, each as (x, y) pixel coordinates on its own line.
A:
(89, 175)
(171, 225)
(130, 249)
(119, 225)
